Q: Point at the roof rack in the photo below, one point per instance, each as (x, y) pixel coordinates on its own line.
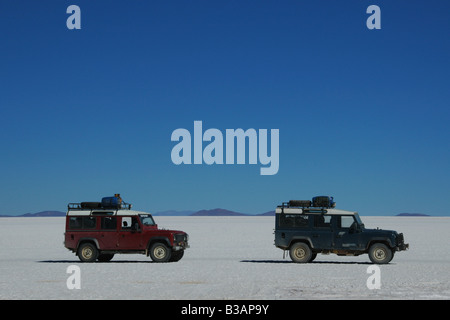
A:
(318, 205)
(107, 203)
(97, 206)
(324, 202)
(283, 209)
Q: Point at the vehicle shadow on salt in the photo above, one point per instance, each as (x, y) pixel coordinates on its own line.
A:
(245, 261)
(110, 262)
(312, 262)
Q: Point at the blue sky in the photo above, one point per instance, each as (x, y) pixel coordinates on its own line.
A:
(363, 115)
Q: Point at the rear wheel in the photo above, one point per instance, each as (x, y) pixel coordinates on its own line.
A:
(300, 252)
(87, 252)
(105, 257)
(159, 252)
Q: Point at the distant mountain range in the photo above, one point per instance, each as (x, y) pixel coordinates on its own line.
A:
(223, 212)
(39, 214)
(412, 215)
(173, 213)
(205, 213)
(208, 213)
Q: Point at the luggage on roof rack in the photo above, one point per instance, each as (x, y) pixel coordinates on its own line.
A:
(317, 202)
(323, 201)
(115, 203)
(112, 202)
(299, 203)
(90, 205)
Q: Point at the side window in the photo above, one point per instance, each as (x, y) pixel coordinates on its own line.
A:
(129, 224)
(75, 223)
(126, 223)
(82, 223)
(346, 221)
(89, 222)
(293, 220)
(322, 221)
(108, 223)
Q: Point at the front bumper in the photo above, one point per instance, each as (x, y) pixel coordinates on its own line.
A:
(177, 248)
(180, 242)
(401, 245)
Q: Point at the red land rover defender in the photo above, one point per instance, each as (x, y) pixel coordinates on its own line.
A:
(97, 231)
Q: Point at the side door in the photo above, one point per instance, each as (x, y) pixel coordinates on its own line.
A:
(346, 236)
(108, 233)
(130, 233)
(322, 233)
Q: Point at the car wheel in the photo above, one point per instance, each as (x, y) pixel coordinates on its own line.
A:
(176, 256)
(159, 252)
(380, 254)
(300, 252)
(87, 252)
(105, 257)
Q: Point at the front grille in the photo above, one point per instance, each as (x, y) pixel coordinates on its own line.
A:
(400, 239)
(181, 238)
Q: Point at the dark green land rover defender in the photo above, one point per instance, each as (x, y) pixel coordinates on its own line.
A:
(307, 228)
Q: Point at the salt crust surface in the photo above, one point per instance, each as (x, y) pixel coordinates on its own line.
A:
(229, 258)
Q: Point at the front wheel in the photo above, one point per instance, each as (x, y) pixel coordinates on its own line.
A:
(159, 252)
(300, 252)
(380, 254)
(176, 256)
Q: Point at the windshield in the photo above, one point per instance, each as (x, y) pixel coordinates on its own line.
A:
(147, 220)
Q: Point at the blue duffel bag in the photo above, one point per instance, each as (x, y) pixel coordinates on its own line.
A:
(112, 202)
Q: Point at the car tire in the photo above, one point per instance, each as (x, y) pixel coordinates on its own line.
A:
(159, 252)
(379, 253)
(105, 257)
(87, 252)
(300, 253)
(176, 256)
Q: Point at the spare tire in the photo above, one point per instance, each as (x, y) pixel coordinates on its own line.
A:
(91, 205)
(300, 203)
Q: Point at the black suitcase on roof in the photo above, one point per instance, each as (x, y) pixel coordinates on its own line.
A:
(91, 205)
(323, 201)
(299, 203)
